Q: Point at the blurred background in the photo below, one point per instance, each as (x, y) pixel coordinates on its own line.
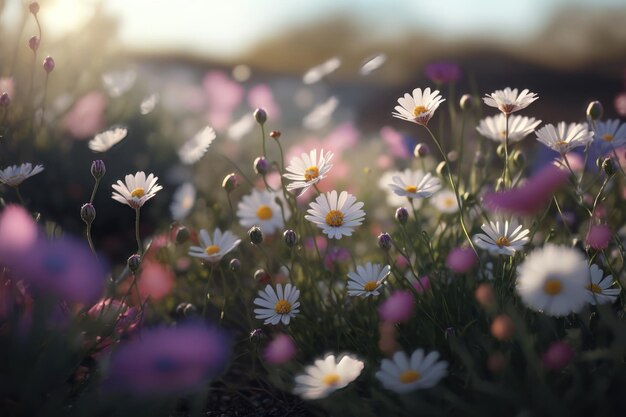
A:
(328, 72)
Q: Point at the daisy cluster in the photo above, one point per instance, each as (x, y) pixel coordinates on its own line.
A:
(455, 277)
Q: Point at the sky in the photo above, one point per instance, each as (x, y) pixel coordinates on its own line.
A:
(226, 28)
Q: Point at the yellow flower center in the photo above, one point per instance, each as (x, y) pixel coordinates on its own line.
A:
(282, 307)
(334, 218)
(138, 192)
(409, 376)
(449, 202)
(330, 379)
(503, 241)
(503, 134)
(264, 212)
(552, 287)
(594, 288)
(311, 173)
(561, 143)
(212, 250)
(410, 188)
(370, 286)
(418, 110)
(607, 137)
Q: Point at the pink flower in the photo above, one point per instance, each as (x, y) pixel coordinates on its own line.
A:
(599, 236)
(261, 96)
(461, 260)
(422, 284)
(168, 360)
(395, 142)
(155, 280)
(86, 118)
(558, 355)
(530, 197)
(280, 350)
(399, 307)
(7, 85)
(335, 255)
(224, 96)
(18, 231)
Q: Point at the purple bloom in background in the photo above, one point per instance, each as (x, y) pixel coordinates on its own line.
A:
(461, 260)
(530, 197)
(443, 72)
(558, 355)
(18, 231)
(280, 350)
(399, 307)
(169, 360)
(335, 255)
(599, 236)
(63, 267)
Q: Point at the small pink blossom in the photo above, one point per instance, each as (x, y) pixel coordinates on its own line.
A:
(86, 118)
(530, 197)
(155, 280)
(18, 230)
(599, 236)
(422, 284)
(399, 307)
(558, 355)
(261, 96)
(280, 350)
(461, 259)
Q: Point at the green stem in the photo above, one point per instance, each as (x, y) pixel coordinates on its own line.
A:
(88, 233)
(19, 195)
(139, 245)
(506, 176)
(93, 192)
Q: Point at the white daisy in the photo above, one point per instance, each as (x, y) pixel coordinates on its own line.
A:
(418, 108)
(494, 127)
(308, 170)
(367, 280)
(508, 101)
(404, 374)
(196, 147)
(393, 199)
(184, 199)
(148, 104)
(552, 280)
(261, 209)
(445, 202)
(327, 375)
(337, 216)
(14, 175)
(599, 289)
(372, 63)
(502, 237)
(277, 306)
(321, 115)
(136, 190)
(104, 141)
(213, 250)
(119, 82)
(318, 72)
(611, 132)
(564, 137)
(415, 184)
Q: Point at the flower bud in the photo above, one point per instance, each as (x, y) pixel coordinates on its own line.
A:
(518, 158)
(182, 235)
(184, 310)
(33, 7)
(256, 235)
(230, 182)
(402, 215)
(261, 166)
(260, 115)
(595, 110)
(98, 169)
(502, 327)
(48, 64)
(384, 241)
(257, 335)
(442, 169)
(88, 213)
(5, 100)
(133, 263)
(466, 102)
(484, 295)
(262, 277)
(33, 43)
(421, 150)
(234, 264)
(468, 199)
(608, 166)
(500, 150)
(275, 134)
(290, 238)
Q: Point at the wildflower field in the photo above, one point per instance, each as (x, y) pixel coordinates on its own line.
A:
(178, 246)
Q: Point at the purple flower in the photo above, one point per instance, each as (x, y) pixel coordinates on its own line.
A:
(530, 197)
(280, 350)
(336, 255)
(63, 267)
(599, 237)
(399, 307)
(558, 355)
(461, 260)
(168, 360)
(442, 72)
